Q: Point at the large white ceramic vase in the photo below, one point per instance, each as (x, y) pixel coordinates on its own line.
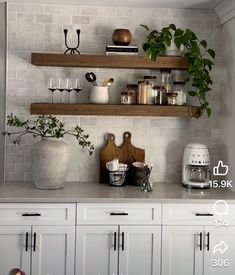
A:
(50, 162)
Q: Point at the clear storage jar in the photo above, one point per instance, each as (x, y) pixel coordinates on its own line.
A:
(179, 88)
(151, 84)
(142, 94)
(166, 80)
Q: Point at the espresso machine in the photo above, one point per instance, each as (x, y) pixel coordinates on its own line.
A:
(196, 166)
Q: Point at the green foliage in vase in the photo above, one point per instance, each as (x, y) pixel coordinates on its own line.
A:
(46, 126)
(198, 56)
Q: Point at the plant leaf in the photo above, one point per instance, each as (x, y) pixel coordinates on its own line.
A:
(172, 26)
(192, 93)
(145, 27)
(178, 32)
(211, 53)
(204, 43)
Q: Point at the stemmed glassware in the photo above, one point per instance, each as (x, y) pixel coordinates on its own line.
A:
(77, 87)
(64, 84)
(61, 87)
(52, 87)
(68, 87)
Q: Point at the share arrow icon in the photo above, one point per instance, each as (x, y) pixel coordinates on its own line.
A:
(221, 247)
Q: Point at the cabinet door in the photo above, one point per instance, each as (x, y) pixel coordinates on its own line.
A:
(139, 250)
(97, 250)
(221, 251)
(13, 248)
(53, 250)
(181, 253)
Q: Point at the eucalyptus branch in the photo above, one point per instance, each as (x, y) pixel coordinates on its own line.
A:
(46, 126)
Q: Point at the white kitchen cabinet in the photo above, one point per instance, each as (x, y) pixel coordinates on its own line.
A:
(121, 239)
(139, 250)
(45, 245)
(97, 250)
(189, 239)
(124, 250)
(53, 250)
(13, 251)
(182, 250)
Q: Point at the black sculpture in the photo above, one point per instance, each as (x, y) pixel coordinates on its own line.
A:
(72, 50)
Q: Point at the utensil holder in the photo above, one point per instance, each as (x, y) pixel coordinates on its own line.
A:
(99, 95)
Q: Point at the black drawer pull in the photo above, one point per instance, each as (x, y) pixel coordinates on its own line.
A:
(26, 241)
(208, 241)
(123, 245)
(31, 215)
(115, 241)
(118, 214)
(200, 243)
(204, 214)
(34, 241)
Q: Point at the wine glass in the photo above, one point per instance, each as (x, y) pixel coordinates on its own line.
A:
(61, 87)
(77, 86)
(52, 87)
(68, 87)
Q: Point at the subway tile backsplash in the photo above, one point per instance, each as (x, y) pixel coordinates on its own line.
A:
(39, 28)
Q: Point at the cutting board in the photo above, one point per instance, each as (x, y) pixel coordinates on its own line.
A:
(126, 153)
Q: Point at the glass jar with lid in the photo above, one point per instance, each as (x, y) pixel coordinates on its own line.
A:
(142, 94)
(151, 83)
(166, 80)
(129, 95)
(171, 98)
(179, 88)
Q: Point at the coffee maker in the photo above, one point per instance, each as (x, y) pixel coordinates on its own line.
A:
(196, 166)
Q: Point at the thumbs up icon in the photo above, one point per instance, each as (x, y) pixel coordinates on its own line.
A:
(221, 169)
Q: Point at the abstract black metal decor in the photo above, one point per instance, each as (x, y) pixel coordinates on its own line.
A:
(71, 50)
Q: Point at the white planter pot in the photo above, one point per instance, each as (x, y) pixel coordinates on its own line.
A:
(50, 161)
(173, 50)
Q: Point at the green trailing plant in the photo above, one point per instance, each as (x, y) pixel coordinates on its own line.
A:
(198, 56)
(46, 126)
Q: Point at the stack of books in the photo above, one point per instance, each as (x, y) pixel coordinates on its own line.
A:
(121, 50)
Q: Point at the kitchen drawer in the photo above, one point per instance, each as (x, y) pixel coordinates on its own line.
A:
(118, 213)
(37, 214)
(196, 214)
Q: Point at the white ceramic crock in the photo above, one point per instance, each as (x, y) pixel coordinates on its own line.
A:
(99, 95)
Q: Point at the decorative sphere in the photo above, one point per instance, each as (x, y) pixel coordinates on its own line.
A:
(121, 37)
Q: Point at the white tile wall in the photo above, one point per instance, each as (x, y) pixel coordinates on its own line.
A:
(39, 28)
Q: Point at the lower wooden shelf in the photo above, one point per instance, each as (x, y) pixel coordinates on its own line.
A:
(114, 110)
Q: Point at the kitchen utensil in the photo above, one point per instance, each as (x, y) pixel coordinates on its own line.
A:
(196, 166)
(138, 172)
(91, 77)
(108, 82)
(99, 95)
(126, 153)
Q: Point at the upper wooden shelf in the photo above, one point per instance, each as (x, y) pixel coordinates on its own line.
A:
(114, 110)
(108, 61)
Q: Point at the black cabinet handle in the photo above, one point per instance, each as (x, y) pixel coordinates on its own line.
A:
(200, 241)
(208, 241)
(26, 241)
(34, 241)
(31, 215)
(123, 245)
(204, 214)
(115, 241)
(118, 214)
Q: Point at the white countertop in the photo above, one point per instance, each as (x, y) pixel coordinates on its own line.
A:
(96, 192)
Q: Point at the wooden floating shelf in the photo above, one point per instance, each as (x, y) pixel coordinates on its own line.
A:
(108, 61)
(114, 110)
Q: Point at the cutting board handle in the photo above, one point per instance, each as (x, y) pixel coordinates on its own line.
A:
(127, 137)
(110, 138)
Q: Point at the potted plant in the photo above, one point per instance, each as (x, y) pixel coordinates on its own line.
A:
(198, 56)
(50, 156)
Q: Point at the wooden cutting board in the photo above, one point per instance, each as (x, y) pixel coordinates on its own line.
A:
(126, 153)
